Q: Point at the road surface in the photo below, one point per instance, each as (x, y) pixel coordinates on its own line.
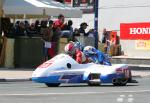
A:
(29, 92)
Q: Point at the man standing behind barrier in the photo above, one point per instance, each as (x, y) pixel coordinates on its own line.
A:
(105, 40)
(58, 25)
(47, 33)
(82, 28)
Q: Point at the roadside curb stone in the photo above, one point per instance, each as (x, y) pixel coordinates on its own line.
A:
(14, 79)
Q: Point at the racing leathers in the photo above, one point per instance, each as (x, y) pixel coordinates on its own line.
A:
(75, 52)
(79, 56)
(96, 56)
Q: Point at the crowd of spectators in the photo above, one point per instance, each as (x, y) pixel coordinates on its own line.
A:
(49, 30)
(24, 28)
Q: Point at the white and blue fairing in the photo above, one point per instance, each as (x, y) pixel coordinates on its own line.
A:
(63, 69)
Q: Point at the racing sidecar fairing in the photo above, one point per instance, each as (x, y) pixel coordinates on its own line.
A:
(64, 69)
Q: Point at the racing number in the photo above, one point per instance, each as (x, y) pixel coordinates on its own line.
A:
(45, 65)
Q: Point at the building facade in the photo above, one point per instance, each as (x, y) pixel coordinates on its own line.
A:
(114, 13)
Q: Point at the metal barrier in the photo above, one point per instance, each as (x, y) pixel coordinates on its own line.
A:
(28, 52)
(3, 41)
(86, 41)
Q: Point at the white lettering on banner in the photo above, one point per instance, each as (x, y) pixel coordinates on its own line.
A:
(139, 30)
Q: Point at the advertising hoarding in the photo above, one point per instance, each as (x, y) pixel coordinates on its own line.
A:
(142, 44)
(135, 31)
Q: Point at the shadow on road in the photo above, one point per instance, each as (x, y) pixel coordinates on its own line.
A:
(85, 86)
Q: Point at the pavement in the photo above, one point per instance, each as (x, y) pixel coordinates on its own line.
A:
(20, 74)
(12, 75)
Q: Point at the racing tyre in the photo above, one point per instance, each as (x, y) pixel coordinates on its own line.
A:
(120, 82)
(52, 84)
(123, 82)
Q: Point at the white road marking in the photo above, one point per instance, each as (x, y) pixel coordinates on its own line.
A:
(71, 93)
(130, 100)
(130, 95)
(122, 96)
(119, 99)
(54, 98)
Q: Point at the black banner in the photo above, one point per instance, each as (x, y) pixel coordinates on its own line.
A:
(86, 5)
(76, 3)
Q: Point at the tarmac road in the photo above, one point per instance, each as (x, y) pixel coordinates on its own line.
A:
(28, 92)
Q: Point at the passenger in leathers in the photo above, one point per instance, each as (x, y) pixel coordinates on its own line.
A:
(96, 56)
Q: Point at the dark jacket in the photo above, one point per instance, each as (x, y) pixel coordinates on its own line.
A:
(81, 30)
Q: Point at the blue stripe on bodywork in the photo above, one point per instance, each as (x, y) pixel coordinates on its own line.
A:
(51, 79)
(59, 79)
(108, 78)
(75, 78)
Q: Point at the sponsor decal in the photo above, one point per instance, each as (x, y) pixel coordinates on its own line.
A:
(135, 31)
(68, 76)
(46, 64)
(142, 44)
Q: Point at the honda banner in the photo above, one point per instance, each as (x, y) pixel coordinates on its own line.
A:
(135, 31)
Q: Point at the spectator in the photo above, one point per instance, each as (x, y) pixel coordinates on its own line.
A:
(31, 31)
(75, 34)
(37, 26)
(43, 26)
(26, 24)
(91, 33)
(105, 36)
(56, 38)
(68, 26)
(20, 30)
(112, 40)
(105, 40)
(68, 30)
(82, 28)
(10, 31)
(47, 34)
(17, 24)
(59, 23)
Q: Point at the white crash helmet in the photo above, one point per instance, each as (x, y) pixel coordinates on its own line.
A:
(78, 45)
(70, 48)
(88, 49)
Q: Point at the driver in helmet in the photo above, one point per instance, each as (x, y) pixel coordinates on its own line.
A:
(74, 50)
